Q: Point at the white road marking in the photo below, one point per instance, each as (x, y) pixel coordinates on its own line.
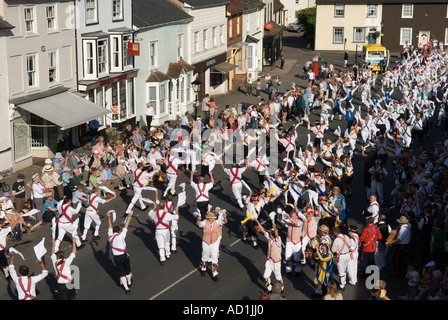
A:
(169, 287)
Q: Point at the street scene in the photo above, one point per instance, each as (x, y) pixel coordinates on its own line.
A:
(271, 166)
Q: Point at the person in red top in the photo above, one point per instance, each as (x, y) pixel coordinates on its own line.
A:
(368, 242)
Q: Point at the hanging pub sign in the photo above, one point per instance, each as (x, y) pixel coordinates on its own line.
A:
(133, 49)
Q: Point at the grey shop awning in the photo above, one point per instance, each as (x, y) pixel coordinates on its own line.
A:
(64, 109)
(225, 67)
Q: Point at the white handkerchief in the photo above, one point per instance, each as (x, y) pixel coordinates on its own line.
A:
(182, 186)
(34, 211)
(16, 252)
(106, 189)
(181, 198)
(53, 228)
(114, 216)
(39, 249)
(75, 227)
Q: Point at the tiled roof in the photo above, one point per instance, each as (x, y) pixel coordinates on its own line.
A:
(149, 13)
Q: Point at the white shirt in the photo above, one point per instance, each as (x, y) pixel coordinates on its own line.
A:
(38, 190)
(201, 190)
(94, 201)
(404, 234)
(149, 111)
(118, 243)
(65, 273)
(25, 280)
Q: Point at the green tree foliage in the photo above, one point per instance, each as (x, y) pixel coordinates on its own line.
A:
(307, 18)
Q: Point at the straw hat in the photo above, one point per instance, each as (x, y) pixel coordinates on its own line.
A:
(210, 215)
(324, 228)
(48, 167)
(402, 220)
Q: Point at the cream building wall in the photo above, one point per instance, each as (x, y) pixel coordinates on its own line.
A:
(355, 16)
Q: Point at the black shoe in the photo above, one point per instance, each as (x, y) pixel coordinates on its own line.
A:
(162, 263)
(81, 246)
(202, 273)
(127, 291)
(215, 278)
(96, 238)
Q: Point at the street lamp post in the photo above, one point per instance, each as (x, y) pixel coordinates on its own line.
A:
(196, 88)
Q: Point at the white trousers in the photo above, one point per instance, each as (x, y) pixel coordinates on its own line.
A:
(91, 216)
(174, 225)
(294, 252)
(342, 266)
(64, 228)
(210, 252)
(237, 187)
(352, 269)
(272, 267)
(138, 197)
(171, 184)
(163, 243)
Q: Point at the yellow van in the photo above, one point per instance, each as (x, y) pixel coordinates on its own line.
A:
(374, 53)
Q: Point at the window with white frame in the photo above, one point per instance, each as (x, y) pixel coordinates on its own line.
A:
(115, 53)
(117, 10)
(163, 98)
(251, 65)
(238, 25)
(221, 33)
(51, 17)
(91, 11)
(102, 57)
(31, 70)
(405, 36)
(205, 39)
(339, 10)
(180, 46)
(407, 11)
(372, 10)
(230, 29)
(153, 55)
(89, 59)
(30, 23)
(446, 36)
(196, 41)
(128, 61)
(188, 83)
(53, 66)
(152, 97)
(338, 35)
(214, 36)
(359, 35)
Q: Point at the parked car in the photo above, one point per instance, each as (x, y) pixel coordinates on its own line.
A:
(295, 27)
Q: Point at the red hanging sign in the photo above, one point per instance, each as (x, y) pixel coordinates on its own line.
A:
(133, 49)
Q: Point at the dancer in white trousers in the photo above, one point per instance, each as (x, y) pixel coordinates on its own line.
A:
(141, 179)
(92, 213)
(65, 221)
(352, 270)
(162, 221)
(236, 181)
(274, 257)
(341, 251)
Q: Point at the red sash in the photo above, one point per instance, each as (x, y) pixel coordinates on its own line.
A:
(235, 177)
(91, 205)
(160, 220)
(111, 240)
(201, 192)
(170, 165)
(137, 177)
(64, 214)
(27, 291)
(59, 272)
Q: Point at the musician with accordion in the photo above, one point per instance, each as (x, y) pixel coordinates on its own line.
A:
(378, 173)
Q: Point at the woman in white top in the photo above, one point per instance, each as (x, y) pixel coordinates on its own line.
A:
(149, 113)
(61, 266)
